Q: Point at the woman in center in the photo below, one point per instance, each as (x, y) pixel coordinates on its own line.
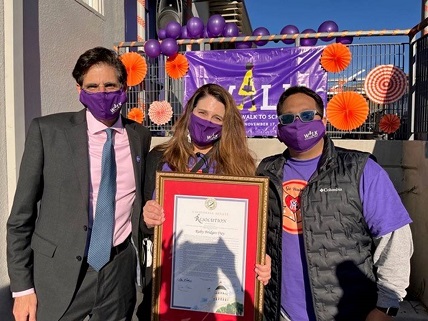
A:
(210, 138)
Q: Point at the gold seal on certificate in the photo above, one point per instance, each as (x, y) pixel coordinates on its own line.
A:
(211, 203)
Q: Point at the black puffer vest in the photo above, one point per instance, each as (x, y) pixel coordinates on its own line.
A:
(336, 237)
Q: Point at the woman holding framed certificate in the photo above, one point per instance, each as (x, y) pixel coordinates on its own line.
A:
(209, 138)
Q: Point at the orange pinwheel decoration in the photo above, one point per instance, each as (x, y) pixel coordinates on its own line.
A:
(136, 114)
(160, 112)
(177, 66)
(347, 110)
(335, 57)
(389, 123)
(136, 67)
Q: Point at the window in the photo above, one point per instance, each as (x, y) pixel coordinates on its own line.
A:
(97, 5)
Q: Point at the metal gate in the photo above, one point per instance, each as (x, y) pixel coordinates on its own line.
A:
(158, 86)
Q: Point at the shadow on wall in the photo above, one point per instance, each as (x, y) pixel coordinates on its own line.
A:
(6, 302)
(32, 93)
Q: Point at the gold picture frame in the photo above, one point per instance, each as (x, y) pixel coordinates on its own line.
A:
(205, 251)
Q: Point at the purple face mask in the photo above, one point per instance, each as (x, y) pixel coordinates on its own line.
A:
(104, 105)
(301, 136)
(203, 132)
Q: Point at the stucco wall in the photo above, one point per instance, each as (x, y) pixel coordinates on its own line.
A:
(66, 30)
(415, 198)
(5, 312)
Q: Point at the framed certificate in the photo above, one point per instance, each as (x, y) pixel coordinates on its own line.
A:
(206, 250)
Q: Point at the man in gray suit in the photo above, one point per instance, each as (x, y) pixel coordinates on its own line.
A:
(51, 229)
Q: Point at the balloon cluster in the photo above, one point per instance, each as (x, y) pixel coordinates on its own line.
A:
(217, 27)
(326, 26)
(194, 29)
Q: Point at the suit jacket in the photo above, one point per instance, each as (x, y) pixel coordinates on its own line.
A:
(48, 226)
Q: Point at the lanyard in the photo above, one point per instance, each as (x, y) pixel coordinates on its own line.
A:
(202, 161)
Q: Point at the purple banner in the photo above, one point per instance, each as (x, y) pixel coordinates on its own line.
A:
(256, 78)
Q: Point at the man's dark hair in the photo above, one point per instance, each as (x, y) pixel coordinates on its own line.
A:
(99, 55)
(300, 90)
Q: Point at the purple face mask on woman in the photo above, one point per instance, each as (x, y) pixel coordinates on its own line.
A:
(301, 136)
(203, 132)
(104, 105)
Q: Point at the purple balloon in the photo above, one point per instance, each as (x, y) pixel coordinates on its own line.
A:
(184, 33)
(152, 48)
(161, 34)
(345, 40)
(230, 30)
(173, 30)
(169, 47)
(289, 29)
(195, 27)
(243, 44)
(328, 26)
(208, 34)
(261, 31)
(215, 25)
(308, 41)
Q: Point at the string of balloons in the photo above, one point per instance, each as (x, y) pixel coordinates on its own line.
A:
(217, 27)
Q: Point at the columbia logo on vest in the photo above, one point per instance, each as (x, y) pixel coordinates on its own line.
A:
(329, 189)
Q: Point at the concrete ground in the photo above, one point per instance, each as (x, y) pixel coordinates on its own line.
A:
(411, 311)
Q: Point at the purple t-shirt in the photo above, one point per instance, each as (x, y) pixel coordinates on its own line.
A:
(382, 210)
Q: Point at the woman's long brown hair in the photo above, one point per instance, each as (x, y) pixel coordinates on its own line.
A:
(230, 154)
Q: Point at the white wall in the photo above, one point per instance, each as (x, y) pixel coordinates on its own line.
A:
(67, 29)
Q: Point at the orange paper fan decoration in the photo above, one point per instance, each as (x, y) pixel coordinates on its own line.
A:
(347, 110)
(177, 66)
(335, 57)
(160, 112)
(136, 114)
(389, 123)
(136, 67)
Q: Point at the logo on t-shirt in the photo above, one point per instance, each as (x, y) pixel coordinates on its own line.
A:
(291, 214)
(330, 189)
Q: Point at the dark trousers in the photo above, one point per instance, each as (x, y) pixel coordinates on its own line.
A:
(107, 295)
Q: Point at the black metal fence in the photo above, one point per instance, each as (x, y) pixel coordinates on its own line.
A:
(157, 86)
(411, 57)
(364, 58)
(420, 87)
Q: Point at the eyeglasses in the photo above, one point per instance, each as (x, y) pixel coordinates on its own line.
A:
(108, 87)
(305, 116)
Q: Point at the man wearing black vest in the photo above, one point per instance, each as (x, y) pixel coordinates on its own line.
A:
(338, 234)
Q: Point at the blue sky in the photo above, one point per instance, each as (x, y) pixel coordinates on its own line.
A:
(350, 15)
